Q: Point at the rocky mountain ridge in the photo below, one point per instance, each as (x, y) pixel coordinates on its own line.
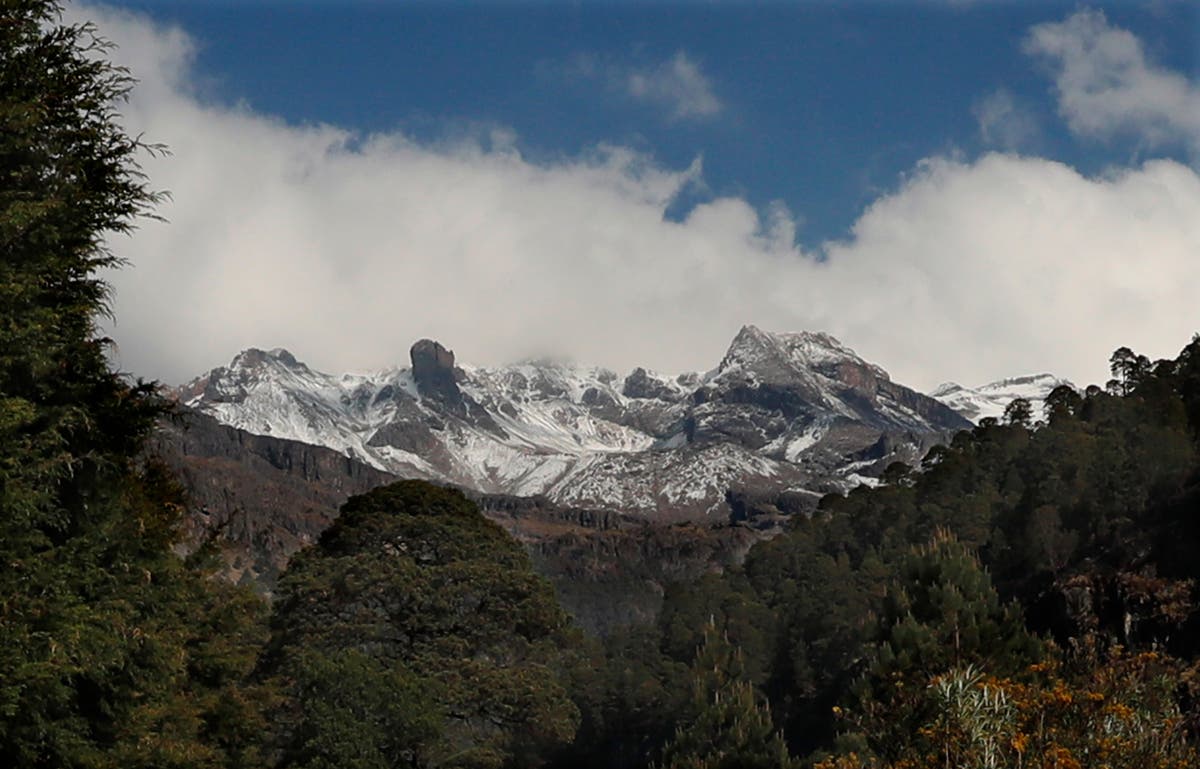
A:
(990, 400)
(260, 499)
(269, 449)
(785, 413)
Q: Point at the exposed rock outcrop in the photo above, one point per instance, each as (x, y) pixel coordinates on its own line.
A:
(263, 498)
(639, 384)
(433, 372)
(781, 411)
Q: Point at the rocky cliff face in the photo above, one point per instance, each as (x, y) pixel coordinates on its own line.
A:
(261, 499)
(780, 413)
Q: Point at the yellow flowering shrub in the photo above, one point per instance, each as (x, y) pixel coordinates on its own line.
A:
(1115, 710)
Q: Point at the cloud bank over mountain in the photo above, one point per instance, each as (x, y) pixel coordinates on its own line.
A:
(346, 248)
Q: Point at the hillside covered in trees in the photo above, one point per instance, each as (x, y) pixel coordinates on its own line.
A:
(1024, 598)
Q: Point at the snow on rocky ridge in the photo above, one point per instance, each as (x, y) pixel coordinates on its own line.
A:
(781, 412)
(990, 400)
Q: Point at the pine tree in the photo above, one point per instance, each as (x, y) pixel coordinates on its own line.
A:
(729, 728)
(944, 613)
(103, 655)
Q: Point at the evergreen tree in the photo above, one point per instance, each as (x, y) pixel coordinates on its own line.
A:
(728, 727)
(943, 614)
(1019, 412)
(630, 695)
(357, 713)
(1128, 370)
(1062, 402)
(822, 597)
(109, 654)
(442, 602)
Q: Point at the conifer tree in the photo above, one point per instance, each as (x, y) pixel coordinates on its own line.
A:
(729, 727)
(109, 653)
(944, 613)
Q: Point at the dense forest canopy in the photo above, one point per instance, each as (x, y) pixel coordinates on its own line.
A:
(1025, 597)
(413, 582)
(1051, 552)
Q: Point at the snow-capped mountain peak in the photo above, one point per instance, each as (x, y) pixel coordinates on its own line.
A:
(815, 361)
(991, 400)
(785, 411)
(770, 353)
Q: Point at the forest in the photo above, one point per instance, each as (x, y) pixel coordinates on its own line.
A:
(1026, 597)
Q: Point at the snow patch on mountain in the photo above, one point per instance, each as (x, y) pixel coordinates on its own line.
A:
(764, 354)
(782, 411)
(990, 400)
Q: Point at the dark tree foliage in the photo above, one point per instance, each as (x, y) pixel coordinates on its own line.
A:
(942, 613)
(1128, 370)
(1069, 539)
(112, 651)
(355, 712)
(414, 582)
(70, 180)
(1019, 412)
(724, 602)
(728, 726)
(630, 696)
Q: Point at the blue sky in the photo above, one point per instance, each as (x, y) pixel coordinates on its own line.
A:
(959, 190)
(818, 105)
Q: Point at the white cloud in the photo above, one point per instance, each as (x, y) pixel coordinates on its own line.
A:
(677, 85)
(1003, 122)
(347, 251)
(1019, 265)
(1107, 86)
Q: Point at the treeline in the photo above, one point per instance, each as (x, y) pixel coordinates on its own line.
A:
(1025, 598)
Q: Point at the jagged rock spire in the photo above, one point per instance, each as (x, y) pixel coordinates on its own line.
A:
(433, 372)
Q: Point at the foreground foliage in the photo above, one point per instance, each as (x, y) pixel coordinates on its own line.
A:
(416, 594)
(113, 652)
(1116, 710)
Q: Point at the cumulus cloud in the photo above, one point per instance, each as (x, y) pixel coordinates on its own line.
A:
(1107, 86)
(1003, 122)
(1021, 264)
(345, 249)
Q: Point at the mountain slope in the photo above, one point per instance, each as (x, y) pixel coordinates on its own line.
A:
(781, 412)
(261, 499)
(990, 400)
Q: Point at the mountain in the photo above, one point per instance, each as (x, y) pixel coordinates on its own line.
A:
(259, 499)
(781, 413)
(990, 400)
